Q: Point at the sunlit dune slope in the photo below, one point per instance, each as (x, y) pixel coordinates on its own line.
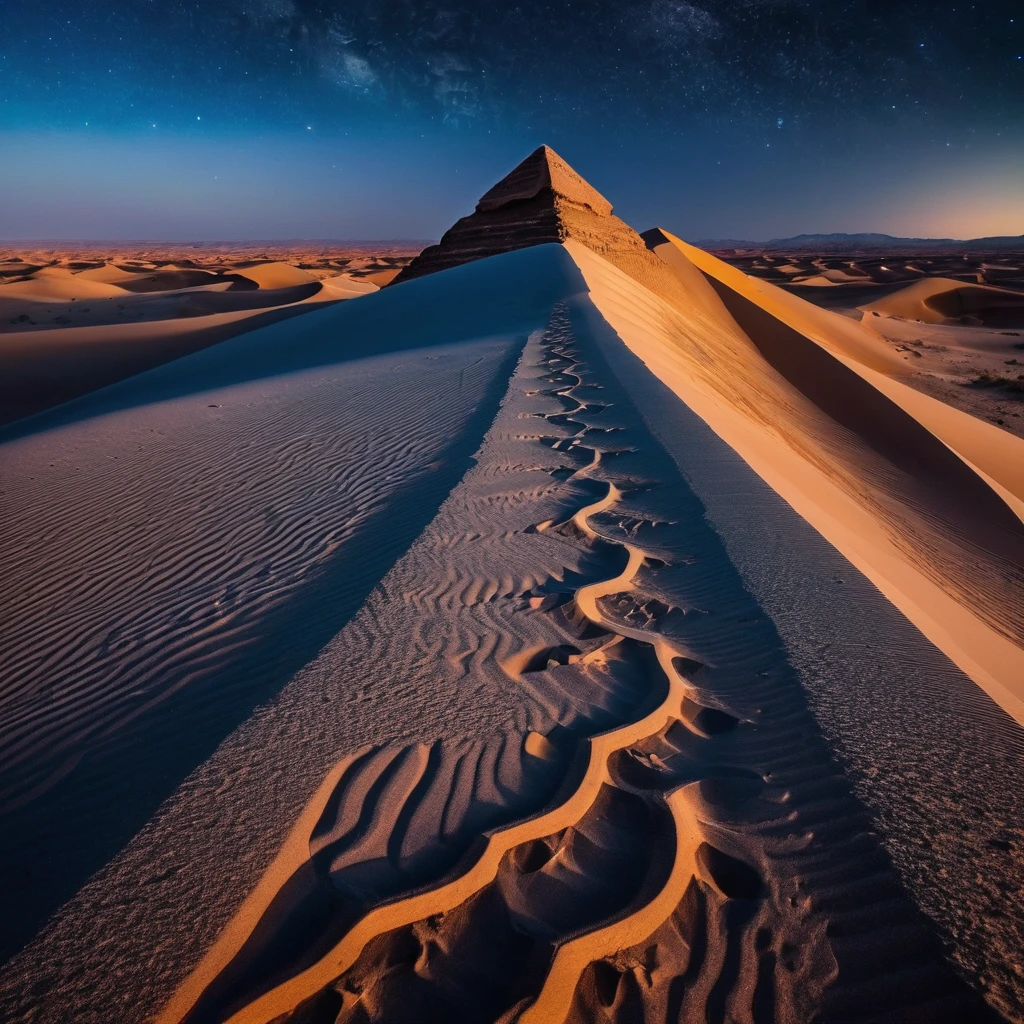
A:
(275, 275)
(940, 300)
(813, 403)
(926, 499)
(992, 451)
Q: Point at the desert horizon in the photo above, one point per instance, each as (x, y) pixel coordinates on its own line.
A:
(452, 573)
(854, 391)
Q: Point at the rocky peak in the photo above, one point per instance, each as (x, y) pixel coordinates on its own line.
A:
(544, 200)
(544, 170)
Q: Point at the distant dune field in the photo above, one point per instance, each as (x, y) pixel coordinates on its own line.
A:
(65, 330)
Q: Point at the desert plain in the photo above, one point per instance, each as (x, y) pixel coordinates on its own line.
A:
(552, 623)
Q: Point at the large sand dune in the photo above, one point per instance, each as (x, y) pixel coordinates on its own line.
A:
(937, 300)
(676, 792)
(952, 328)
(923, 498)
(578, 632)
(145, 603)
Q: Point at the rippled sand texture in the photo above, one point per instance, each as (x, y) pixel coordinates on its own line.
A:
(177, 564)
(663, 834)
(582, 632)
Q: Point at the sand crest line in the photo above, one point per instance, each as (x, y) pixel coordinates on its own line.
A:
(409, 909)
(713, 836)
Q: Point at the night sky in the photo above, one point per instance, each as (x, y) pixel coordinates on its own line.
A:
(260, 119)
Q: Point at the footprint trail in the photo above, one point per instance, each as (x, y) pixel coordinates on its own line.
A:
(663, 836)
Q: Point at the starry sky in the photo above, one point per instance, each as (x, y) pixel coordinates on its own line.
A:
(386, 119)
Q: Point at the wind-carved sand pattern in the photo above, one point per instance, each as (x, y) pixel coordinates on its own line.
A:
(179, 560)
(665, 836)
(301, 493)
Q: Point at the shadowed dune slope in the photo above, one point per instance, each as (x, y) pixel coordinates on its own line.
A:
(41, 369)
(170, 278)
(231, 509)
(63, 335)
(414, 317)
(109, 273)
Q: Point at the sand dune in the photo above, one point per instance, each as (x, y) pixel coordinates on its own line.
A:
(23, 311)
(978, 370)
(971, 367)
(578, 629)
(37, 289)
(274, 275)
(961, 544)
(581, 764)
(382, 277)
(347, 285)
(55, 284)
(683, 789)
(835, 277)
(157, 610)
(872, 273)
(44, 365)
(316, 257)
(937, 300)
(860, 348)
(187, 611)
(108, 273)
(170, 278)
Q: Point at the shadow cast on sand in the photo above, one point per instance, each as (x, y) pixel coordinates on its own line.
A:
(416, 315)
(50, 845)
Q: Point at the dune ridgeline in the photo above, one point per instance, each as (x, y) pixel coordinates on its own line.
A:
(575, 629)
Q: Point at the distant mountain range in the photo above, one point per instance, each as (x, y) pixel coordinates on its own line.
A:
(839, 241)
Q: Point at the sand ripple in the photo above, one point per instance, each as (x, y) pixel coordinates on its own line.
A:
(704, 857)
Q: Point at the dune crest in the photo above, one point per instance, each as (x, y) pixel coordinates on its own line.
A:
(991, 451)
(274, 275)
(943, 494)
(55, 284)
(568, 635)
(666, 835)
(937, 300)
